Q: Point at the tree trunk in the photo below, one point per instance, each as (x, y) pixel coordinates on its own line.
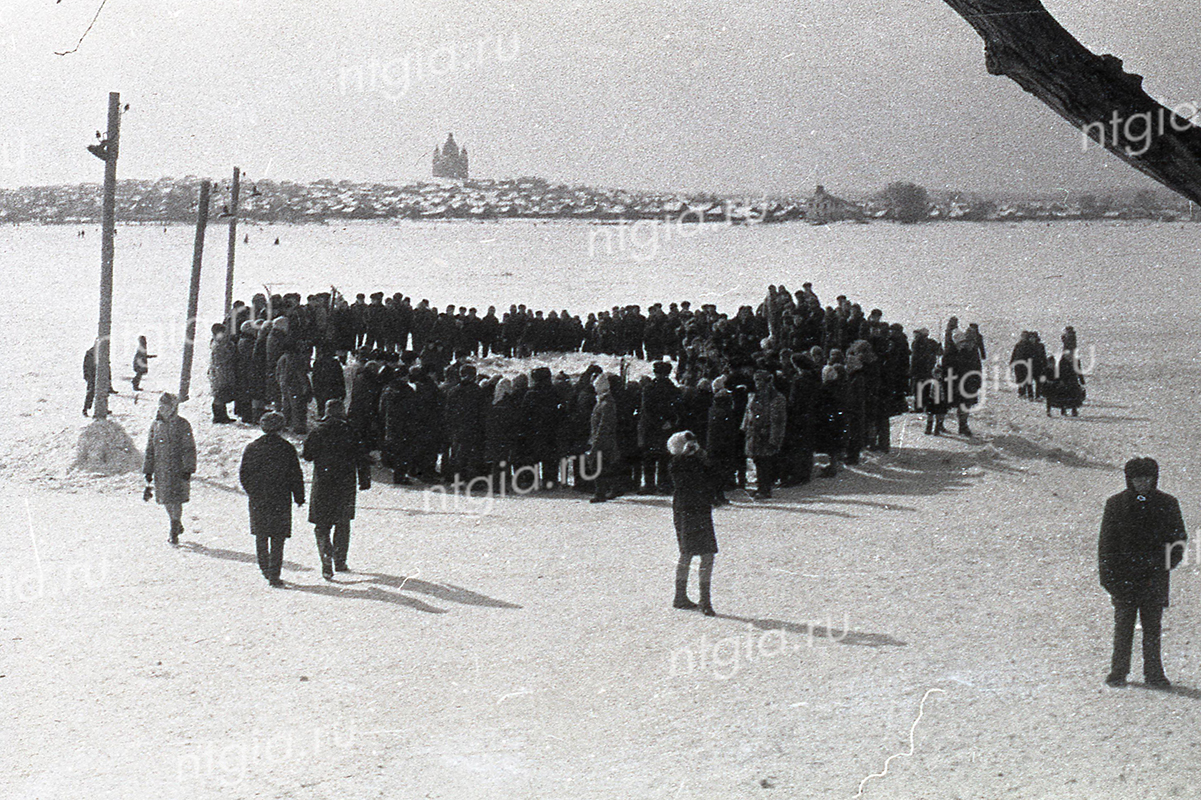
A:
(1024, 42)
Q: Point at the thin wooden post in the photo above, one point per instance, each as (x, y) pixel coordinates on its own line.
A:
(104, 379)
(233, 243)
(189, 342)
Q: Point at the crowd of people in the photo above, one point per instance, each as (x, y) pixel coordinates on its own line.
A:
(779, 384)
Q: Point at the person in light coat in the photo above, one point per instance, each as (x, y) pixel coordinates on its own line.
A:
(170, 461)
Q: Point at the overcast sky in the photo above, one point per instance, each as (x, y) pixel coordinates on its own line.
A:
(726, 96)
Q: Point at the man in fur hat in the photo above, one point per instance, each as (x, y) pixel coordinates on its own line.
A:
(270, 474)
(1142, 539)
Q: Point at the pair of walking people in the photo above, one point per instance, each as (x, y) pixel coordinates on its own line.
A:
(271, 476)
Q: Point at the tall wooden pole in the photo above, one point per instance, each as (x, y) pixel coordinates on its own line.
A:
(233, 243)
(104, 377)
(189, 342)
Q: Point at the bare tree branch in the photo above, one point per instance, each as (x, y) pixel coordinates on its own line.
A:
(1025, 43)
(95, 17)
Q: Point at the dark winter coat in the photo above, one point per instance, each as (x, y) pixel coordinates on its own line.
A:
(721, 433)
(1065, 386)
(965, 373)
(692, 504)
(340, 468)
(657, 414)
(270, 474)
(502, 431)
(1134, 547)
(329, 382)
(540, 420)
(170, 459)
(830, 418)
(466, 414)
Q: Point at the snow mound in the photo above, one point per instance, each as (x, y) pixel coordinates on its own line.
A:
(105, 448)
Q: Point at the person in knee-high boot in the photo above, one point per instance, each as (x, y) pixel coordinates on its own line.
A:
(692, 512)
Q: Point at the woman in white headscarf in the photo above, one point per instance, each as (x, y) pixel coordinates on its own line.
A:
(170, 461)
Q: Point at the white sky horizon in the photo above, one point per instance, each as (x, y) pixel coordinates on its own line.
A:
(696, 96)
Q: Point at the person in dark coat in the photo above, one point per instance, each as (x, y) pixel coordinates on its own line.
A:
(722, 444)
(466, 416)
(964, 377)
(244, 401)
(425, 429)
(270, 474)
(141, 363)
(540, 410)
(170, 461)
(692, 513)
(657, 418)
(1064, 386)
(501, 428)
(340, 467)
(1142, 539)
(830, 428)
(327, 378)
(89, 377)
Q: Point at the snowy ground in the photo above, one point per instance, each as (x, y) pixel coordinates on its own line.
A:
(531, 651)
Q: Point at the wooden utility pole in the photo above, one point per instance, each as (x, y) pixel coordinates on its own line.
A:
(104, 375)
(233, 243)
(189, 342)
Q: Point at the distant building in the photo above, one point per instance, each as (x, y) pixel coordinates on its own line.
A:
(825, 207)
(450, 161)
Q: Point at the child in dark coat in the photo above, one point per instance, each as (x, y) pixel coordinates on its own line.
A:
(692, 511)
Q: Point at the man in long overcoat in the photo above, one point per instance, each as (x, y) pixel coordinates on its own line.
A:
(170, 461)
(1142, 539)
(340, 468)
(270, 474)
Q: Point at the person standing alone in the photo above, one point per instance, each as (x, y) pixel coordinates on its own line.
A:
(692, 513)
(1142, 539)
(170, 461)
(271, 476)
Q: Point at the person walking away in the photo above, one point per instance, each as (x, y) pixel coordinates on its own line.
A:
(141, 363)
(328, 379)
(692, 513)
(1142, 539)
(170, 461)
(341, 467)
(271, 476)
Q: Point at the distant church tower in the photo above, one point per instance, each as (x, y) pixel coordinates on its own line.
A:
(450, 161)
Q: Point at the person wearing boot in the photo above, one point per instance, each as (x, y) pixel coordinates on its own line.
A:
(692, 512)
(603, 453)
(1142, 539)
(271, 476)
(341, 466)
(965, 381)
(170, 461)
(223, 373)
